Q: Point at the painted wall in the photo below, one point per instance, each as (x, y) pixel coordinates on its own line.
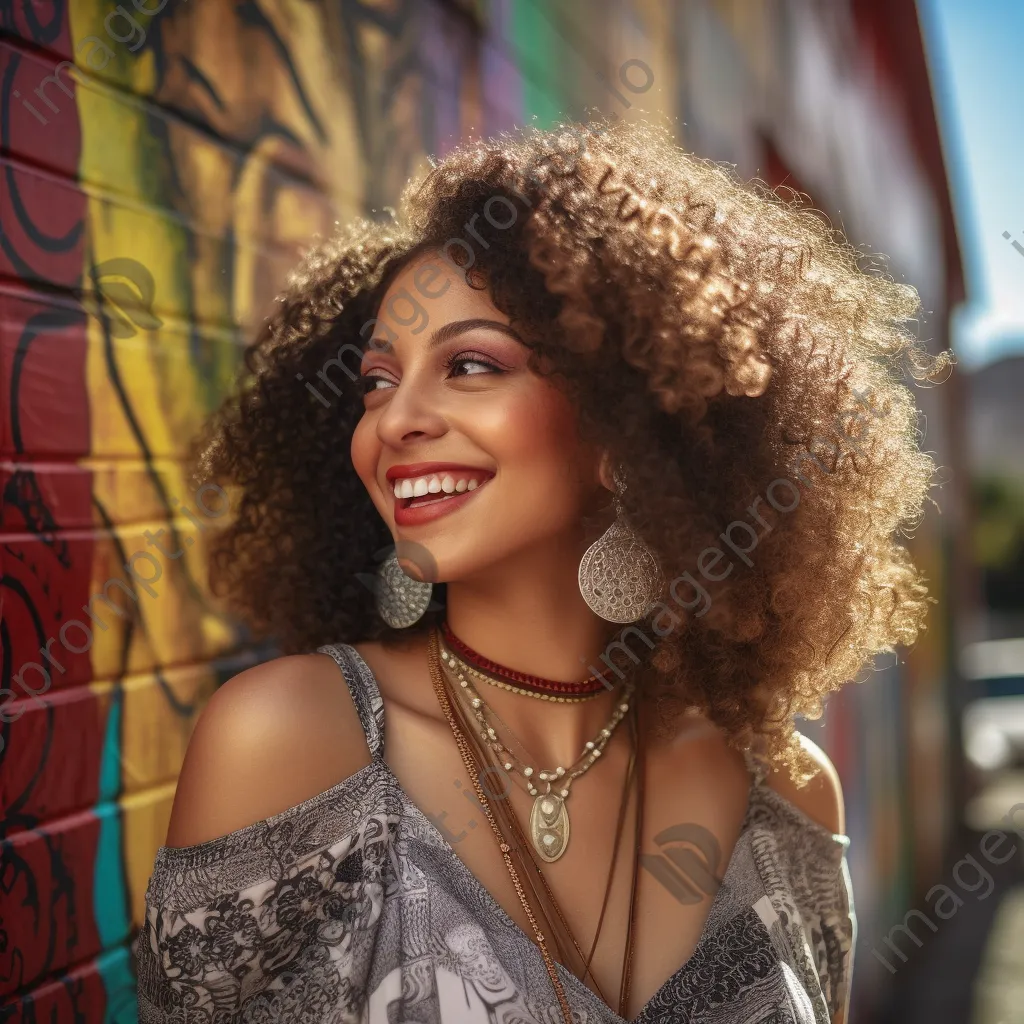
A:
(154, 191)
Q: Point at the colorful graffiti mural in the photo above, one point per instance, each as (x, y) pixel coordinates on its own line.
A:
(162, 162)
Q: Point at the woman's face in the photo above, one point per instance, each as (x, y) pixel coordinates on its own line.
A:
(483, 453)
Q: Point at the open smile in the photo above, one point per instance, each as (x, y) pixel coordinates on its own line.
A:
(427, 491)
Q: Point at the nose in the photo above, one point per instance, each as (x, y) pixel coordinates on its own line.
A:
(412, 414)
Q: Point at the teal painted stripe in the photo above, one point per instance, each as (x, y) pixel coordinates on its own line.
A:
(119, 984)
(533, 34)
(110, 760)
(110, 897)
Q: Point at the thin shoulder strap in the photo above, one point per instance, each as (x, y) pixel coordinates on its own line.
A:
(365, 693)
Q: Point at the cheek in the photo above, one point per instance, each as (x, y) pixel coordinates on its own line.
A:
(542, 437)
(365, 453)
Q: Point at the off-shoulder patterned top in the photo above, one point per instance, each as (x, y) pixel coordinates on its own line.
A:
(351, 906)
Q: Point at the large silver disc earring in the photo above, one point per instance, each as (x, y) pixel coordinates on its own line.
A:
(401, 600)
(619, 575)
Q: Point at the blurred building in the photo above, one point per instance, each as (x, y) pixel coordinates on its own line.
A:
(207, 143)
(834, 101)
(996, 440)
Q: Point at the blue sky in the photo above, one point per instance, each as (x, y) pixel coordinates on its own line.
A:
(976, 52)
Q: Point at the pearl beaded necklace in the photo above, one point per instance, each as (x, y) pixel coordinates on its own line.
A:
(549, 821)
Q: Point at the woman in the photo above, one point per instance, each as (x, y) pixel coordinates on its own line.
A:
(631, 438)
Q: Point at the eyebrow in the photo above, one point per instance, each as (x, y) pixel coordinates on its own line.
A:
(452, 330)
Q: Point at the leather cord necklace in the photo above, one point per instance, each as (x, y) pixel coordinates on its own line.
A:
(469, 760)
(516, 831)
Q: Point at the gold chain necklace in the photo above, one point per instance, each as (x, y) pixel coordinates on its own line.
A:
(549, 819)
(502, 685)
(467, 760)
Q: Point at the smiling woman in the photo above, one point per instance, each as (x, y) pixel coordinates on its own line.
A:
(546, 429)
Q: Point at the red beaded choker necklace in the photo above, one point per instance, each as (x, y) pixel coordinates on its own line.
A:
(534, 684)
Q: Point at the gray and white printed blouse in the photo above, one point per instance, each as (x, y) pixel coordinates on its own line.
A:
(351, 906)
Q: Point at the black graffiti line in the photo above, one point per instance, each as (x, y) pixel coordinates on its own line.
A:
(15, 585)
(48, 243)
(6, 244)
(379, 17)
(140, 438)
(180, 709)
(5, 93)
(74, 987)
(134, 616)
(193, 72)
(159, 131)
(23, 269)
(62, 885)
(14, 866)
(6, 668)
(41, 321)
(250, 14)
(22, 493)
(350, 20)
(13, 815)
(44, 33)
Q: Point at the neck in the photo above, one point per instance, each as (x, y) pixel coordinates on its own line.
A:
(529, 616)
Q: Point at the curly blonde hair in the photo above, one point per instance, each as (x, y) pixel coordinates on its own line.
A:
(724, 346)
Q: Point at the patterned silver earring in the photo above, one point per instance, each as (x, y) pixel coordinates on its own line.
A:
(401, 600)
(619, 575)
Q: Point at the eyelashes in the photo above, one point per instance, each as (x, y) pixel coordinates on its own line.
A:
(455, 365)
(489, 364)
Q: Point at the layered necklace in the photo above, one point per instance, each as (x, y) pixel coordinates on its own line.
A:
(551, 932)
(522, 683)
(549, 819)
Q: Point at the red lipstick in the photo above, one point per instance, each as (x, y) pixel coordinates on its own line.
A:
(451, 485)
(414, 469)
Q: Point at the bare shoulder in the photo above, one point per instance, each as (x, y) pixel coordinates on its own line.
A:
(269, 738)
(821, 799)
(718, 782)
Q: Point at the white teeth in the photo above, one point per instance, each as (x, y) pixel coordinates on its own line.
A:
(418, 487)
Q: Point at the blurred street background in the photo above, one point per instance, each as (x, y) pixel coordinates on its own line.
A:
(162, 163)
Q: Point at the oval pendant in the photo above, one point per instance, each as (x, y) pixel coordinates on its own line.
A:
(549, 826)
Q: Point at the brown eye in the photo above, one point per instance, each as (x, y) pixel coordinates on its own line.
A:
(466, 364)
